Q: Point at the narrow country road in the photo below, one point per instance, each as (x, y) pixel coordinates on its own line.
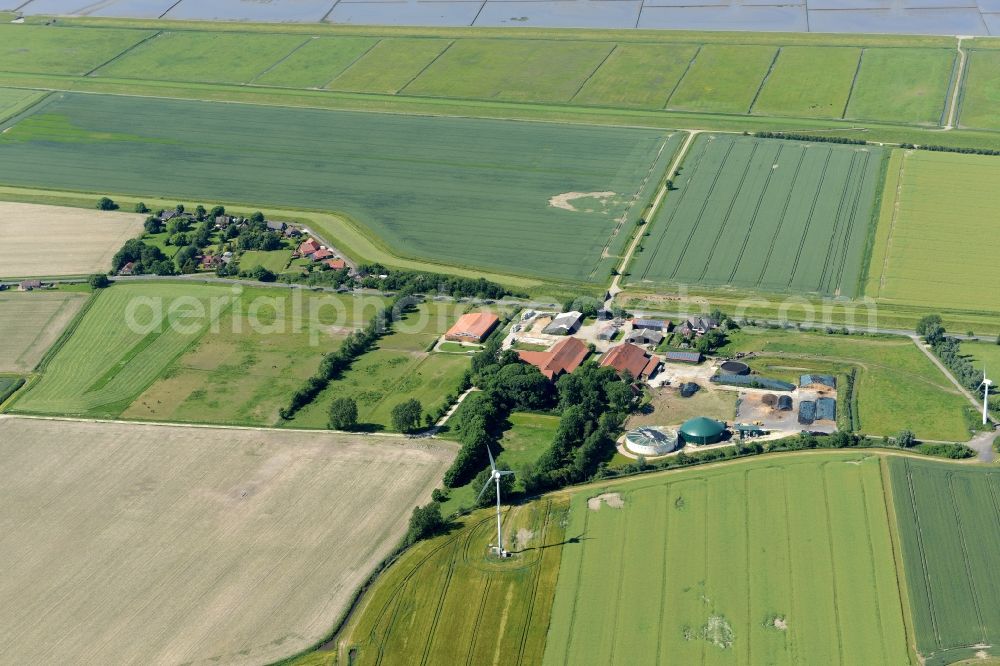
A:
(975, 401)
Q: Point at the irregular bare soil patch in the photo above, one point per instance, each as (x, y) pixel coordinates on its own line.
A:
(564, 200)
(140, 544)
(613, 500)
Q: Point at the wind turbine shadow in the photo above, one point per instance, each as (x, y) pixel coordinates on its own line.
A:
(564, 542)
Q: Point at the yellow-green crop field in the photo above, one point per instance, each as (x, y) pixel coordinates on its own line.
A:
(31, 322)
(938, 232)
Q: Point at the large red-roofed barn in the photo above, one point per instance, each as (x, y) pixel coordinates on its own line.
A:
(564, 358)
(472, 327)
(632, 359)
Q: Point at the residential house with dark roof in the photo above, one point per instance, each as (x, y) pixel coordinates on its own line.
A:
(566, 323)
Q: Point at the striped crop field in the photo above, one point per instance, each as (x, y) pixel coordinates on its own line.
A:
(778, 216)
(551, 201)
(938, 232)
(448, 601)
(117, 350)
(950, 536)
(783, 561)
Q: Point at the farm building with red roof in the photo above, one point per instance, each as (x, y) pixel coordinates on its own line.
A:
(564, 358)
(472, 327)
(629, 358)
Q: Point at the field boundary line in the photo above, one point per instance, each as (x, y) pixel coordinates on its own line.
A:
(965, 556)
(852, 222)
(959, 106)
(282, 59)
(539, 566)
(793, 645)
(781, 219)
(432, 630)
(854, 81)
(43, 328)
(931, 611)
(729, 211)
(704, 206)
(361, 55)
(125, 52)
(169, 9)
(871, 558)
(753, 218)
(896, 202)
(837, 219)
(763, 81)
(683, 75)
(952, 95)
(425, 67)
(746, 558)
(833, 560)
(666, 573)
(579, 577)
(809, 218)
(899, 570)
(323, 20)
(595, 70)
(479, 616)
(619, 584)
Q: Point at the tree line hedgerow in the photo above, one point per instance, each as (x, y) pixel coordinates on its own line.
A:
(950, 149)
(809, 137)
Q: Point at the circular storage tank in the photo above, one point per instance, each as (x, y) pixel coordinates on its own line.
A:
(652, 441)
(735, 368)
(702, 430)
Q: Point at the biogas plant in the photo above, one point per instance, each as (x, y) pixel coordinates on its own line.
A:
(661, 440)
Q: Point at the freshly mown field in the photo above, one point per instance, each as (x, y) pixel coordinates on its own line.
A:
(723, 78)
(897, 387)
(397, 369)
(126, 339)
(155, 544)
(317, 63)
(792, 89)
(765, 214)
(651, 71)
(449, 601)
(36, 48)
(981, 92)
(244, 369)
(781, 561)
(939, 232)
(87, 239)
(950, 537)
(450, 190)
(31, 322)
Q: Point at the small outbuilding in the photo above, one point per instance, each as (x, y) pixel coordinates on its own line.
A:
(693, 357)
(826, 409)
(566, 323)
(702, 430)
(828, 381)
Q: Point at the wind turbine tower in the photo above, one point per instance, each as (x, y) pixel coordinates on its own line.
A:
(987, 383)
(495, 477)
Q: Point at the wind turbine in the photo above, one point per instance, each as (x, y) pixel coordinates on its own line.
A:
(985, 385)
(495, 476)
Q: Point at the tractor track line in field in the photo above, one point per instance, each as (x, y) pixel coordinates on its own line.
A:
(781, 219)
(966, 559)
(845, 244)
(281, 60)
(892, 223)
(763, 81)
(536, 580)
(441, 598)
(746, 558)
(684, 74)
(833, 562)
(931, 611)
(665, 574)
(361, 55)
(704, 207)
(872, 560)
(753, 218)
(125, 52)
(809, 218)
(619, 584)
(587, 78)
(792, 598)
(729, 211)
(479, 619)
(425, 67)
(579, 578)
(854, 81)
(837, 218)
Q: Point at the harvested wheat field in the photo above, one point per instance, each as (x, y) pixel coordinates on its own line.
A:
(51, 240)
(31, 322)
(142, 544)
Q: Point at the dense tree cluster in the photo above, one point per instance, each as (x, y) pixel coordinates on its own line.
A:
(425, 522)
(144, 258)
(949, 149)
(377, 276)
(407, 416)
(949, 350)
(808, 137)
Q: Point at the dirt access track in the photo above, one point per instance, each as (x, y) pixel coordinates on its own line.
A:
(142, 544)
(52, 241)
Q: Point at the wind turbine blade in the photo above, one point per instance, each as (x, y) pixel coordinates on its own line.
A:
(505, 472)
(490, 454)
(485, 486)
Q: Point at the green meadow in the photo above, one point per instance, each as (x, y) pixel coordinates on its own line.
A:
(903, 85)
(452, 191)
(723, 79)
(793, 90)
(981, 92)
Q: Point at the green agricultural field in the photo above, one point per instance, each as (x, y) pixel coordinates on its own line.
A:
(781, 561)
(413, 182)
(898, 387)
(390, 65)
(519, 70)
(215, 58)
(765, 214)
(317, 63)
(51, 50)
(902, 85)
(638, 75)
(243, 370)
(273, 260)
(981, 92)
(723, 79)
(793, 89)
(529, 436)
(918, 259)
(950, 539)
(119, 348)
(984, 354)
(448, 601)
(13, 101)
(397, 369)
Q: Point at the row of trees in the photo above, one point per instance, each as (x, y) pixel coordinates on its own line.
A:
(377, 276)
(809, 137)
(948, 349)
(357, 343)
(406, 416)
(951, 149)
